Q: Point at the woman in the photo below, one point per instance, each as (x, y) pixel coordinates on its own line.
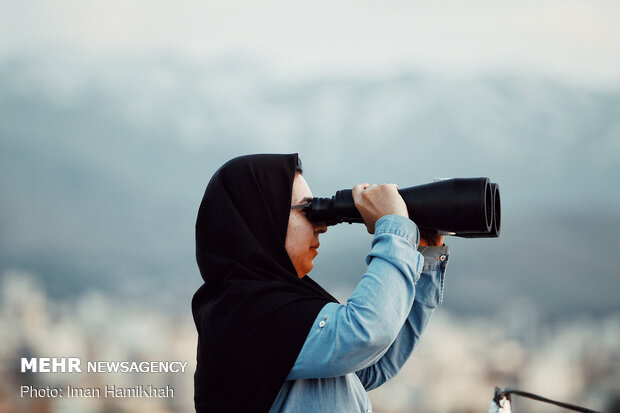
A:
(272, 339)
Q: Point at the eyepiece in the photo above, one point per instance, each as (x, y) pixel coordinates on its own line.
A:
(335, 210)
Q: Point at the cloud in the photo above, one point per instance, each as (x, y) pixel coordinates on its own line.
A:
(572, 40)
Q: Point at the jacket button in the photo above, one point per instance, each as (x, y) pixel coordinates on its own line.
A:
(322, 324)
(442, 258)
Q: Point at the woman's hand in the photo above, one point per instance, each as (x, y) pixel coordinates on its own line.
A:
(376, 201)
(430, 238)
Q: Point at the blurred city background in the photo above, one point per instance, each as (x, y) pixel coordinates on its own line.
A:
(114, 115)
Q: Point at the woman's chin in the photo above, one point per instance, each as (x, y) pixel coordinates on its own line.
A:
(307, 269)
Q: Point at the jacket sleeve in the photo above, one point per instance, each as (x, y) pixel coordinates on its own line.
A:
(429, 294)
(347, 338)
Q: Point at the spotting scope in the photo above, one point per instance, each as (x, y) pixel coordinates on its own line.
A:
(464, 207)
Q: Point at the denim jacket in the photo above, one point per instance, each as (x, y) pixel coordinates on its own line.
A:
(357, 347)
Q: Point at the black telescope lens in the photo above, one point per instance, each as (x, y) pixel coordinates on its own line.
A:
(489, 206)
(497, 217)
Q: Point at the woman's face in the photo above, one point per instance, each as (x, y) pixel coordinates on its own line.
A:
(302, 236)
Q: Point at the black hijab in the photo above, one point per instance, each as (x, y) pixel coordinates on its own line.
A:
(253, 313)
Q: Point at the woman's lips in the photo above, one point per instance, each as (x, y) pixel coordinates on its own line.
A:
(315, 248)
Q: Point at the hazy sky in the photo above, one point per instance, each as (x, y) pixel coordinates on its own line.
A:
(109, 109)
(575, 41)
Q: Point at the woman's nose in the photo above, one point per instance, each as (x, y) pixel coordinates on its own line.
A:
(320, 228)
